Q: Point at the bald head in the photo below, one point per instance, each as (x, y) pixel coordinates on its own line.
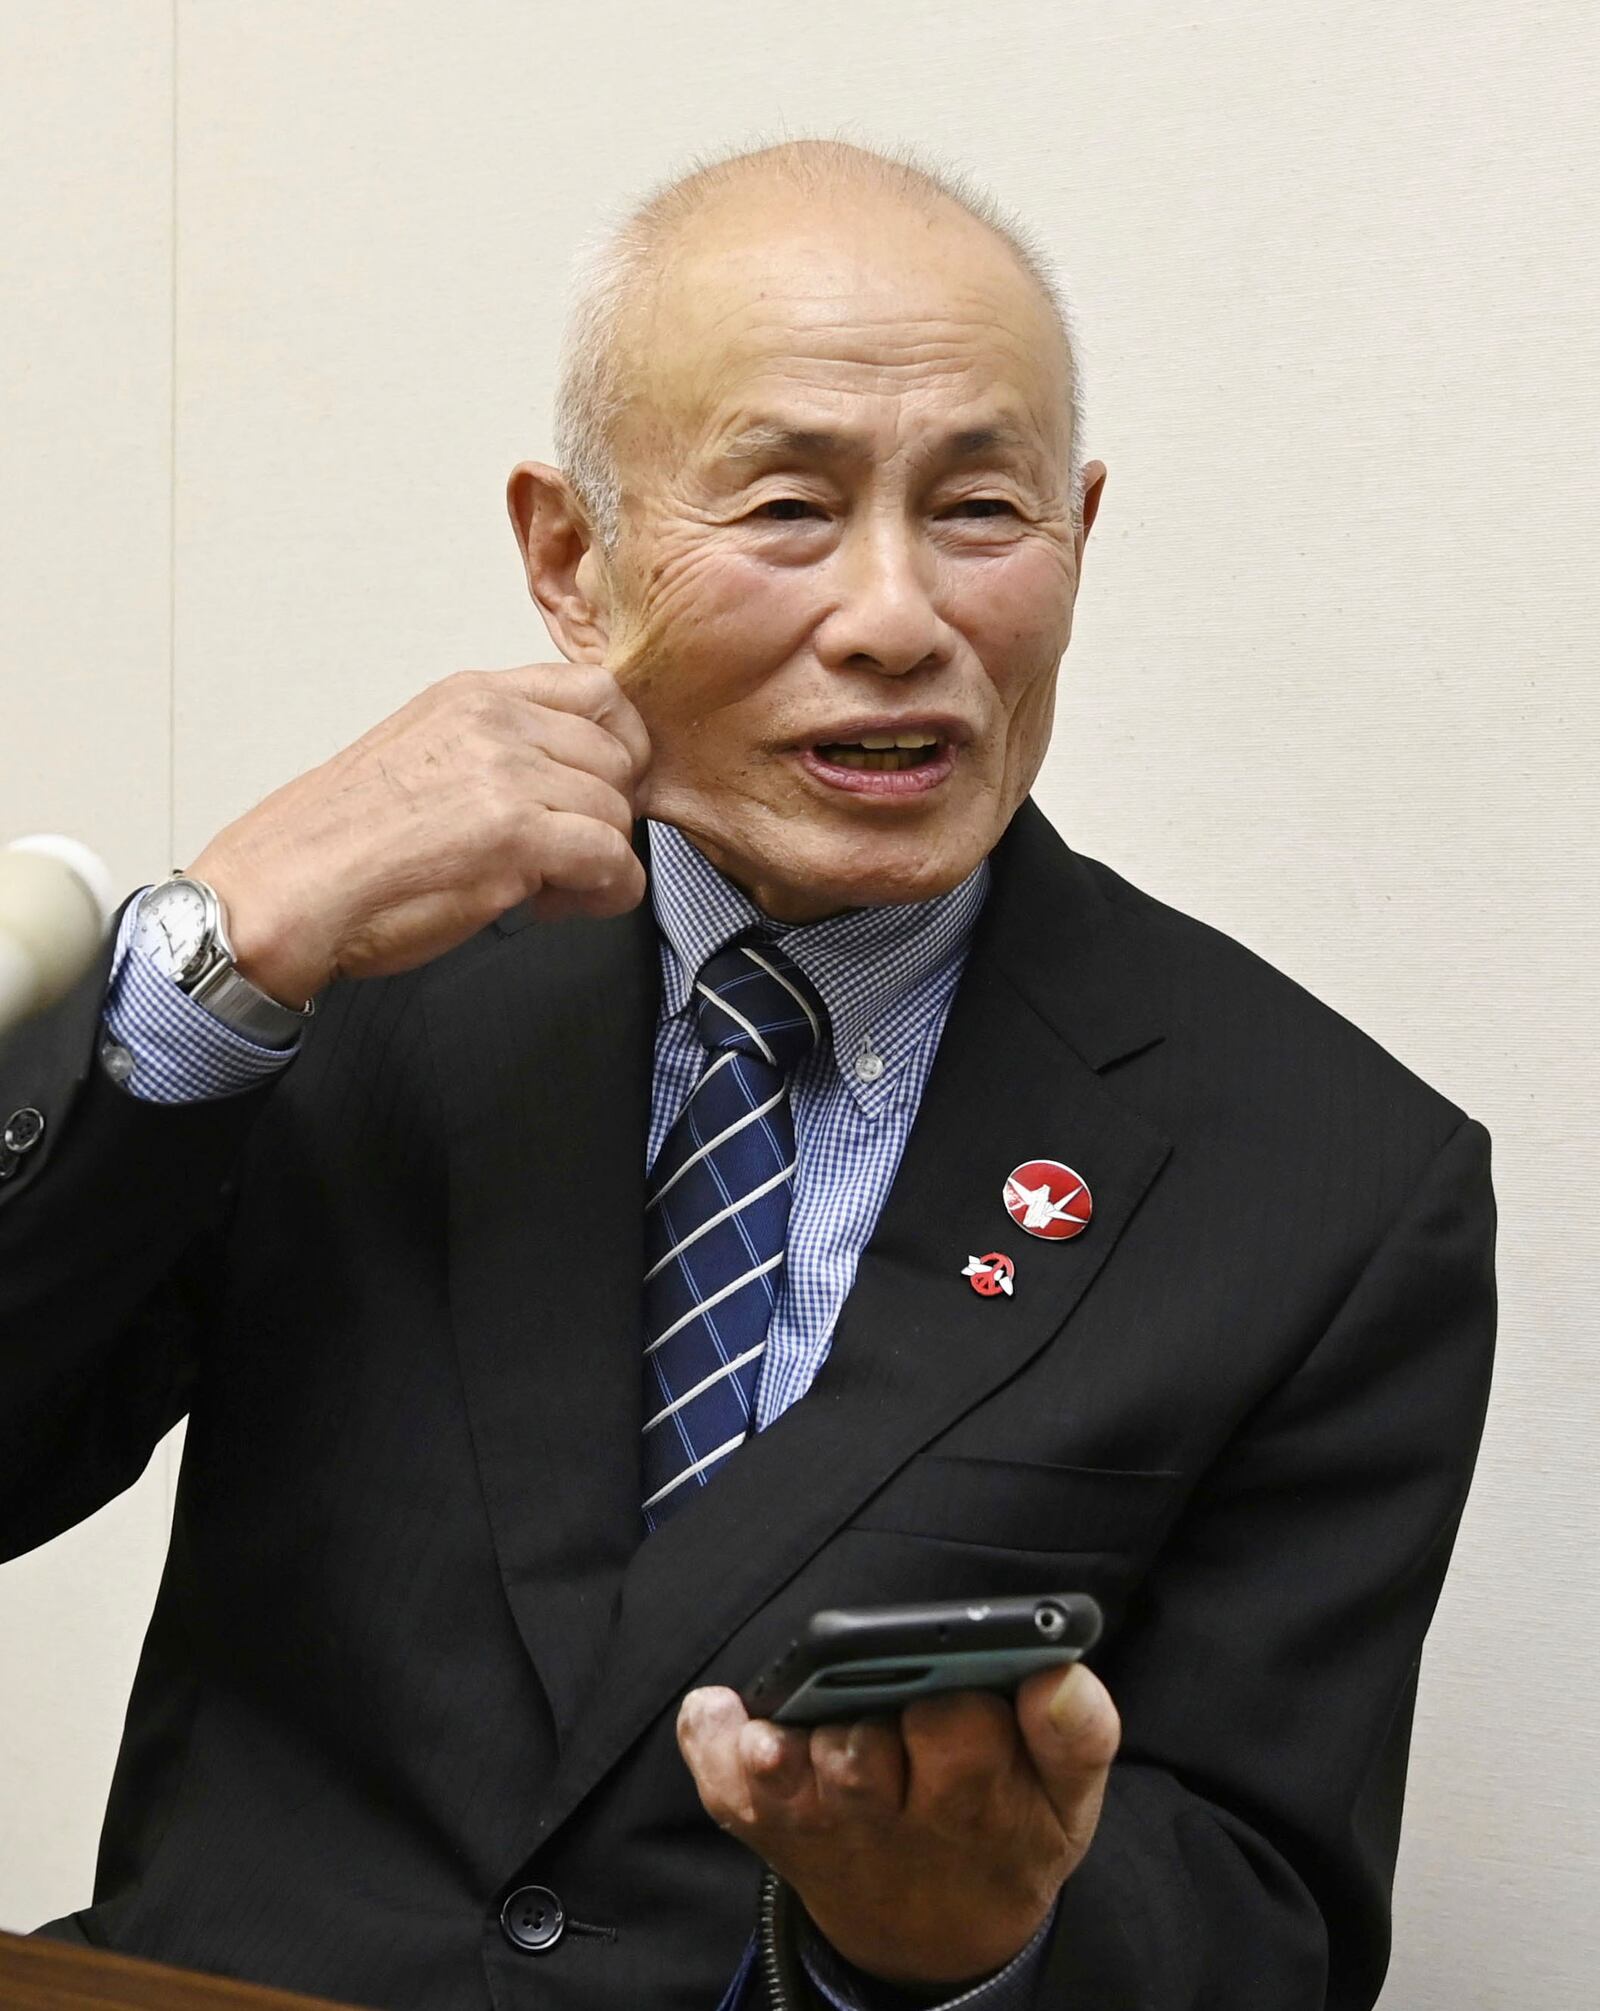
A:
(830, 209)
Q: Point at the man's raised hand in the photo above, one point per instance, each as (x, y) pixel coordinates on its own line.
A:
(486, 789)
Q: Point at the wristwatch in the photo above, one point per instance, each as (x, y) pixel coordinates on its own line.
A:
(180, 926)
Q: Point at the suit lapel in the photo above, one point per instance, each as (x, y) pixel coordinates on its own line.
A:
(544, 1040)
(1056, 987)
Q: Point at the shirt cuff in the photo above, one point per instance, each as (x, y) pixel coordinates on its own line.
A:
(162, 1047)
(848, 1989)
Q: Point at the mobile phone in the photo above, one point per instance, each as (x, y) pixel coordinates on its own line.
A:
(853, 1661)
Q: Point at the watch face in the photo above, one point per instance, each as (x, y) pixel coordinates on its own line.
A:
(171, 928)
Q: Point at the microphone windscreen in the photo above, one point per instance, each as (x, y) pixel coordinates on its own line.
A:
(55, 900)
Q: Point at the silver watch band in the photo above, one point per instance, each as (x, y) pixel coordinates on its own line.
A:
(227, 994)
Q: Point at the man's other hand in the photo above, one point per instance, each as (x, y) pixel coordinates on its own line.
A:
(486, 789)
(928, 1850)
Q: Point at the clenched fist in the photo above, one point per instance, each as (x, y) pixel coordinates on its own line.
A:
(486, 789)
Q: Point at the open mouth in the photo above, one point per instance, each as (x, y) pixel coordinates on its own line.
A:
(886, 753)
(900, 761)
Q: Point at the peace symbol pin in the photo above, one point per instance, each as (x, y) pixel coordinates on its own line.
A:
(991, 1275)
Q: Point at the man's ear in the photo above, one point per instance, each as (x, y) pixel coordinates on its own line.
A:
(1094, 484)
(566, 571)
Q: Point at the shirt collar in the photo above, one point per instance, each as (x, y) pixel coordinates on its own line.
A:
(865, 963)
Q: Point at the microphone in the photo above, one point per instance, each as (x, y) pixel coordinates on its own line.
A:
(56, 897)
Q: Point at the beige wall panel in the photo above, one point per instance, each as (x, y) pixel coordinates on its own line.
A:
(85, 333)
(1336, 275)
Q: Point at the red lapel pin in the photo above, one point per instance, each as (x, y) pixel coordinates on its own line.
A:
(990, 1275)
(1048, 1199)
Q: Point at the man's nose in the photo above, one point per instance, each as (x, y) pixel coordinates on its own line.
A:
(887, 617)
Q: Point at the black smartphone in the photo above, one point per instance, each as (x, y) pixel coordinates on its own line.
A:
(853, 1661)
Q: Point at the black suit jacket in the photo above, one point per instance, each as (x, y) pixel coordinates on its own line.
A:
(410, 1651)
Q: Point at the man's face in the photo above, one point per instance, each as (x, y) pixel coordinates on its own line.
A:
(847, 571)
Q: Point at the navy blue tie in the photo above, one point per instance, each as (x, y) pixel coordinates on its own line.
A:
(717, 1219)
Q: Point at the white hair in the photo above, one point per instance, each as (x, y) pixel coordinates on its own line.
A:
(612, 265)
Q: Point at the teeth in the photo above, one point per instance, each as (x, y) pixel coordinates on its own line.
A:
(882, 740)
(846, 756)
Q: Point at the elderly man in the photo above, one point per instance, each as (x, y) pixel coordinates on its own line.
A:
(589, 1291)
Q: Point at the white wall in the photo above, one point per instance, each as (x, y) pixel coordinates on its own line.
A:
(85, 687)
(278, 306)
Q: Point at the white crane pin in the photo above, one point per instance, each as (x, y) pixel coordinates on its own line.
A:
(1048, 1199)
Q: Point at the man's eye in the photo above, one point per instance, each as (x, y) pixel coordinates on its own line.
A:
(985, 506)
(786, 509)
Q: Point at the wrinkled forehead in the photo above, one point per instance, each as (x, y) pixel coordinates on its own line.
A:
(886, 325)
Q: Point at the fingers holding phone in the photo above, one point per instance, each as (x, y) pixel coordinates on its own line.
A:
(927, 1840)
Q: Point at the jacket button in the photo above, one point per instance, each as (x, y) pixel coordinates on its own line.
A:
(532, 1919)
(24, 1129)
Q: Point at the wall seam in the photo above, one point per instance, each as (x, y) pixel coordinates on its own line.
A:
(172, 465)
(168, 1456)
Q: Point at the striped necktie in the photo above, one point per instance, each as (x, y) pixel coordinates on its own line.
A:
(717, 1219)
